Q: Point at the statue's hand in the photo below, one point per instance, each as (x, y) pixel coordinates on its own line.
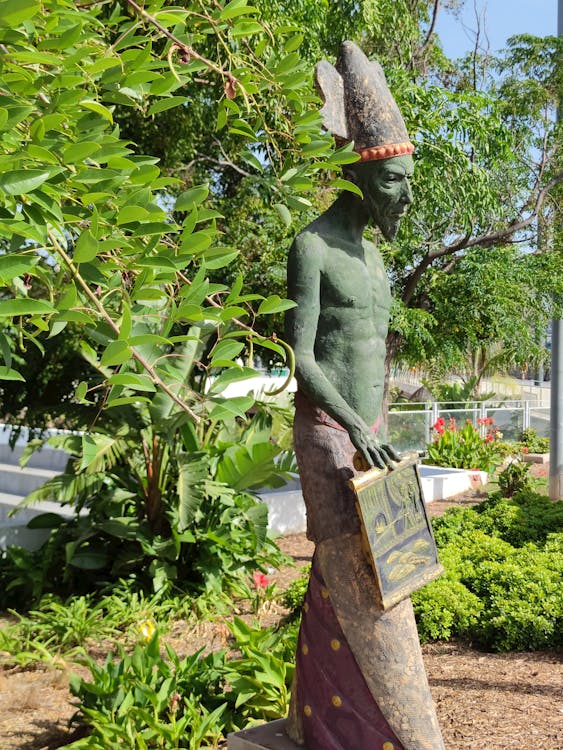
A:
(382, 456)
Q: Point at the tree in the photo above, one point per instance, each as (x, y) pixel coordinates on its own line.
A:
(228, 108)
(93, 232)
(99, 242)
(475, 132)
(484, 267)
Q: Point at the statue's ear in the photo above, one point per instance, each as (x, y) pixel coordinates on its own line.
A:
(331, 88)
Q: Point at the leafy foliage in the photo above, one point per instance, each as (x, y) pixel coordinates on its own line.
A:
(93, 233)
(530, 442)
(454, 394)
(154, 505)
(165, 701)
(464, 447)
(502, 587)
(294, 595)
(515, 477)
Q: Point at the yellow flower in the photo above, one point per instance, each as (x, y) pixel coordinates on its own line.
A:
(146, 630)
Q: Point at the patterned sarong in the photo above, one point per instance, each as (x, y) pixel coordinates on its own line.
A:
(337, 707)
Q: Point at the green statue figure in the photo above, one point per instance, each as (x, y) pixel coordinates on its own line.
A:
(360, 682)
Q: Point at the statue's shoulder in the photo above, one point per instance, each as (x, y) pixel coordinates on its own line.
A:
(310, 242)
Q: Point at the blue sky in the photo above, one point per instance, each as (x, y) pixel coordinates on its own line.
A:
(500, 18)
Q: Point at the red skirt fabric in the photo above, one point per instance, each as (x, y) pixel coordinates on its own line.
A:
(338, 711)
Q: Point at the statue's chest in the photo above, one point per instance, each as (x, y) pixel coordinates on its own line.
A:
(349, 281)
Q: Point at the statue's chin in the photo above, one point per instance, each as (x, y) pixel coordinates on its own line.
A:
(389, 229)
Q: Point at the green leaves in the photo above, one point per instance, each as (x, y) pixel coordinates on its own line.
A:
(21, 181)
(187, 200)
(10, 308)
(88, 223)
(86, 248)
(237, 8)
(273, 304)
(14, 12)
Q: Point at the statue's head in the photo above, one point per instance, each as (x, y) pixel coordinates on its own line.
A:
(359, 108)
(385, 184)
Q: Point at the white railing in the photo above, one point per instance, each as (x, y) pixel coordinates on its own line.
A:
(410, 424)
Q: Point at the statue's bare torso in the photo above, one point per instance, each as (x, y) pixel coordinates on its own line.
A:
(350, 299)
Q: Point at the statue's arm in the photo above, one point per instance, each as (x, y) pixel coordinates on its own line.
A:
(305, 265)
(304, 281)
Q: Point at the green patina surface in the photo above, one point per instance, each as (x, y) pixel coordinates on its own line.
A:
(338, 280)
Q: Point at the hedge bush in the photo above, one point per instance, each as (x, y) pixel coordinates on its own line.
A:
(504, 570)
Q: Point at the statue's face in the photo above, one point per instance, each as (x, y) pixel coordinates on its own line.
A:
(385, 184)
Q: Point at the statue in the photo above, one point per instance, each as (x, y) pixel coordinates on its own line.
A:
(360, 681)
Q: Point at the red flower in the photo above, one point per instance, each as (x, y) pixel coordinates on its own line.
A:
(525, 449)
(440, 425)
(260, 580)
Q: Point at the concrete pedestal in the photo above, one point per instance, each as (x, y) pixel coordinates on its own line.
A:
(269, 736)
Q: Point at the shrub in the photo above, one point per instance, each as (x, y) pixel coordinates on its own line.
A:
(530, 441)
(445, 608)
(504, 568)
(455, 521)
(151, 699)
(526, 517)
(464, 447)
(514, 478)
(523, 601)
(294, 595)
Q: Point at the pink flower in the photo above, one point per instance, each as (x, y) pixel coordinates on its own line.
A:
(260, 580)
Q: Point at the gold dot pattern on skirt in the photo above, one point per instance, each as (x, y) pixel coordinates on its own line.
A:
(324, 593)
(305, 649)
(336, 701)
(306, 606)
(335, 644)
(388, 746)
(307, 710)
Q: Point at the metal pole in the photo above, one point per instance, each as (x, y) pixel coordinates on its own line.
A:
(556, 438)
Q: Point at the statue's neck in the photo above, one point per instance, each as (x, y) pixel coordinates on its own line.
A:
(348, 217)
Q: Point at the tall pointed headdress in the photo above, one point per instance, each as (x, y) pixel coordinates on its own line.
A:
(359, 107)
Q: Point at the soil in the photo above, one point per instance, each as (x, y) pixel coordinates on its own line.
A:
(483, 700)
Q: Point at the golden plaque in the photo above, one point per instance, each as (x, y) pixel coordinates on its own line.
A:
(396, 533)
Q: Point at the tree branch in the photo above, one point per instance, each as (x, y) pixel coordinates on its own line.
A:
(187, 51)
(101, 311)
(484, 240)
(426, 42)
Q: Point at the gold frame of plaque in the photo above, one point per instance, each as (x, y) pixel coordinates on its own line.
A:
(396, 533)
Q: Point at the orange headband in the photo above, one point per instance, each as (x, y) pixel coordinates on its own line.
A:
(386, 152)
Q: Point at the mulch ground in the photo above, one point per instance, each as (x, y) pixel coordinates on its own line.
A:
(484, 701)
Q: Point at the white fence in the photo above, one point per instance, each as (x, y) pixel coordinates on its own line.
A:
(410, 424)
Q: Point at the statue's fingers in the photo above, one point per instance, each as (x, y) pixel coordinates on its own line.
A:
(376, 458)
(391, 452)
(386, 456)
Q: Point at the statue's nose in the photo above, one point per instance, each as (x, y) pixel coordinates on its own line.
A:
(407, 193)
